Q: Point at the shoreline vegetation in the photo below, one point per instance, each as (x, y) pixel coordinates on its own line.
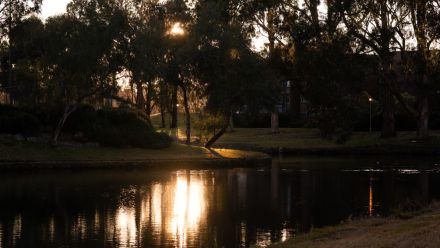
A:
(415, 229)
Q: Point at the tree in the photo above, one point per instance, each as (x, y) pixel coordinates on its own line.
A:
(267, 18)
(80, 60)
(27, 46)
(378, 27)
(11, 12)
(424, 16)
(235, 77)
(145, 53)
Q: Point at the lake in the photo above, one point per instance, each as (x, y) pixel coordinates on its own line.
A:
(237, 207)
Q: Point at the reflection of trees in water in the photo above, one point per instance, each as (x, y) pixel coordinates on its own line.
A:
(223, 208)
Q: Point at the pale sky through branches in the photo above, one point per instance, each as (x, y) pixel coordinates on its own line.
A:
(53, 7)
(57, 7)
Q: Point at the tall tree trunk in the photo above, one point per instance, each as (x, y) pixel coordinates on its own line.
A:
(231, 123)
(423, 117)
(174, 112)
(187, 114)
(140, 102)
(148, 107)
(295, 102)
(68, 110)
(274, 121)
(388, 118)
(162, 115)
(10, 67)
(313, 5)
(274, 124)
(420, 24)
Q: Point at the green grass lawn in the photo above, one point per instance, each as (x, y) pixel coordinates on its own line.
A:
(302, 138)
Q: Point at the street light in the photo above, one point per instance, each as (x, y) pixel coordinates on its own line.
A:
(370, 100)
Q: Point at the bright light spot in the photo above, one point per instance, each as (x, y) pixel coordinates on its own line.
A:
(126, 226)
(156, 204)
(284, 235)
(53, 7)
(177, 29)
(188, 208)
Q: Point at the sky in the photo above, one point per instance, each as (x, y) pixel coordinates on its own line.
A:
(53, 7)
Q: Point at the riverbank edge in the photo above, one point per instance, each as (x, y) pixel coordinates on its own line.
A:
(353, 232)
(382, 150)
(192, 163)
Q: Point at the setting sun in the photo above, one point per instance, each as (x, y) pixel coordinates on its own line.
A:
(177, 29)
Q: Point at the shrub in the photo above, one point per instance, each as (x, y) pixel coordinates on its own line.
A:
(83, 120)
(116, 128)
(15, 121)
(208, 125)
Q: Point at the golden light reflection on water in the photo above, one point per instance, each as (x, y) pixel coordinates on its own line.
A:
(16, 229)
(52, 228)
(156, 206)
(263, 239)
(79, 228)
(188, 206)
(370, 198)
(172, 211)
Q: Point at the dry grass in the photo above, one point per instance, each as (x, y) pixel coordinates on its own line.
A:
(420, 231)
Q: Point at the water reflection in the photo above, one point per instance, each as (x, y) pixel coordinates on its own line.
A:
(195, 208)
(370, 198)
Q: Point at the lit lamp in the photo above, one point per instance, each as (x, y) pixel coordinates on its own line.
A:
(370, 100)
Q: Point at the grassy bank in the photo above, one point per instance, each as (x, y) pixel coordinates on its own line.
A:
(422, 230)
(27, 151)
(307, 141)
(304, 141)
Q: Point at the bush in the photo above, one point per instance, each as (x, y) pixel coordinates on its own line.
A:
(15, 121)
(83, 120)
(208, 125)
(116, 128)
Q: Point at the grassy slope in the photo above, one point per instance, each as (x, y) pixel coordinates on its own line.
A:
(306, 138)
(420, 231)
(301, 138)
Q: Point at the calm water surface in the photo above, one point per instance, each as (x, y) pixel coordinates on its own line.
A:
(204, 208)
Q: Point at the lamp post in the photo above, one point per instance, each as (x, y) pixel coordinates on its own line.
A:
(370, 100)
